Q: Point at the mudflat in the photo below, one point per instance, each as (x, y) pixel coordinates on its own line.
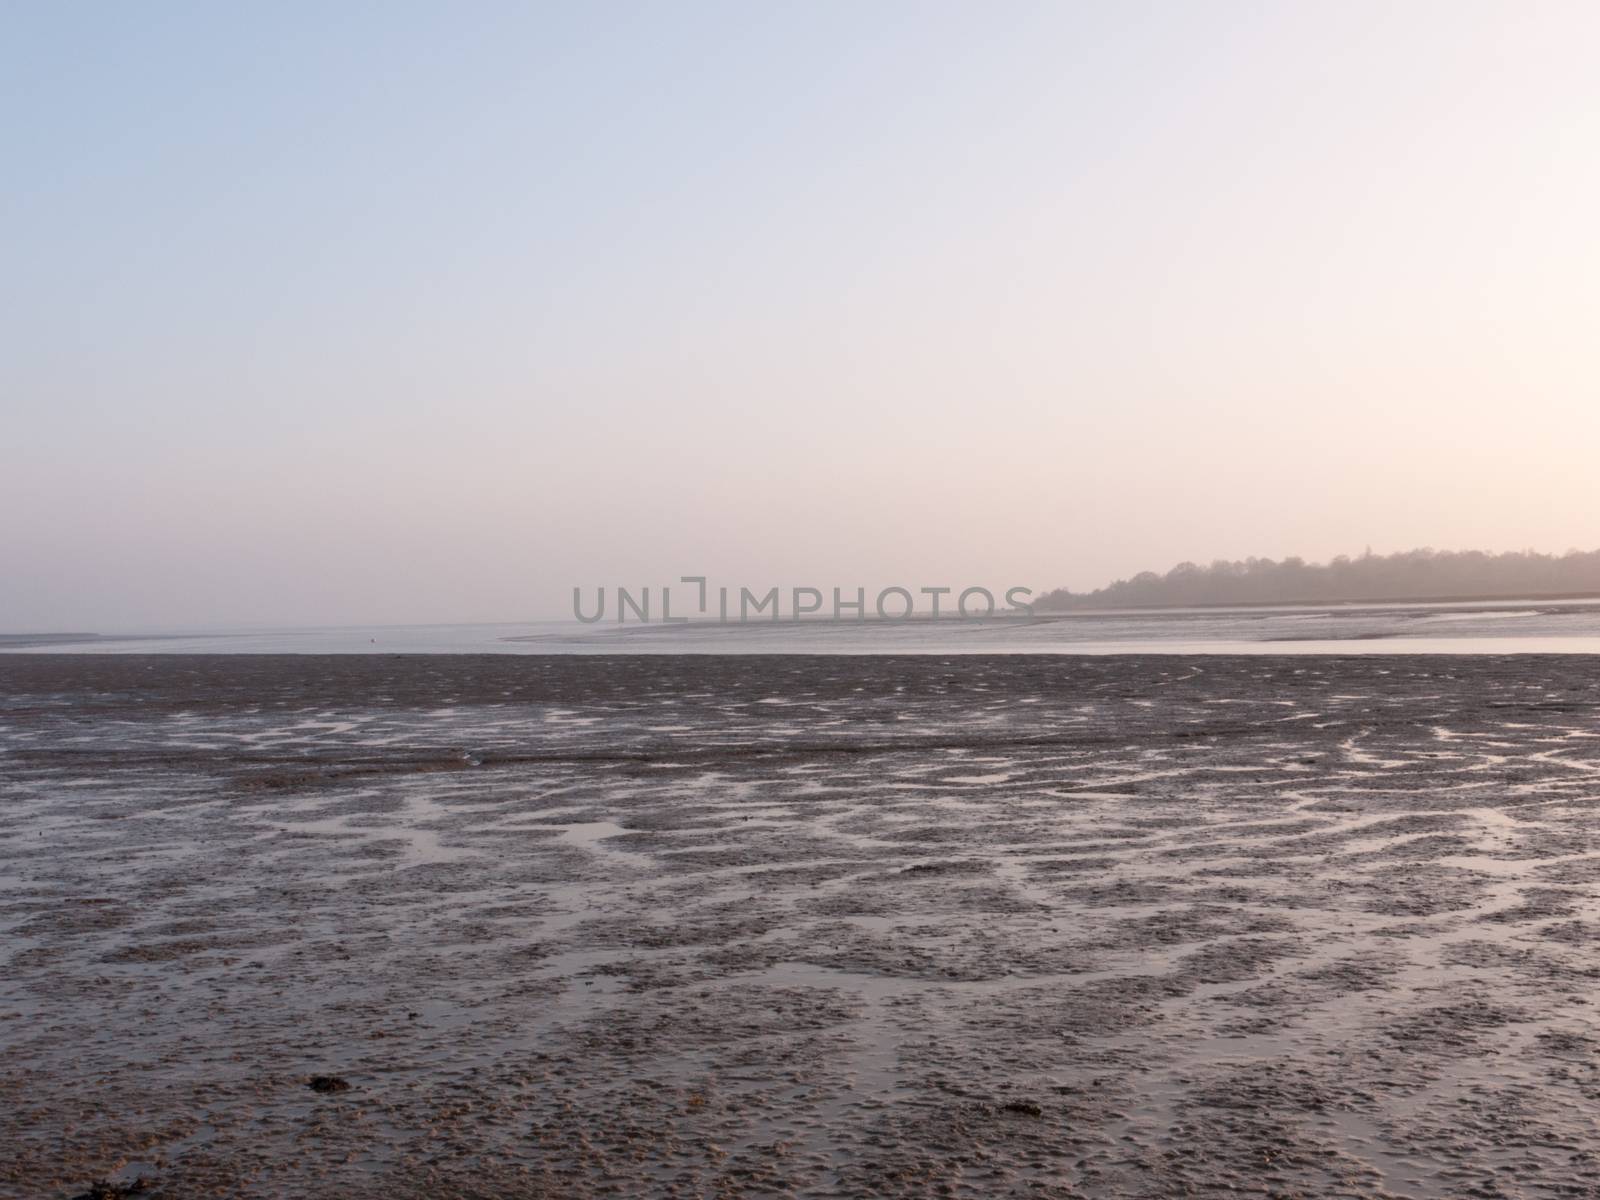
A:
(458, 926)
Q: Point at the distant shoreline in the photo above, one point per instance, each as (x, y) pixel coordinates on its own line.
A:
(1353, 602)
(1551, 623)
(14, 641)
(47, 639)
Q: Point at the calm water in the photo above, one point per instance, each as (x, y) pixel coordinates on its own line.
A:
(1501, 627)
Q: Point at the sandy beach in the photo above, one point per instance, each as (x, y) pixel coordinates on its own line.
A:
(799, 926)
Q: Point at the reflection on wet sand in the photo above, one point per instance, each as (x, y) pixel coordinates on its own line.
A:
(831, 926)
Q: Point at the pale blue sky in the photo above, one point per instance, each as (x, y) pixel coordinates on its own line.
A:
(322, 313)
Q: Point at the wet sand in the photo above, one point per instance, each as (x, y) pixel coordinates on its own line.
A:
(815, 926)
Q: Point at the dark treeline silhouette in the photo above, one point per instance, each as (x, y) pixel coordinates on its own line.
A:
(1412, 575)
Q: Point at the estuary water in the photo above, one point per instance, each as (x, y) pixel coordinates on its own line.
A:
(1495, 627)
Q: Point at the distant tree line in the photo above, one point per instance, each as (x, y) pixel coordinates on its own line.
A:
(1411, 575)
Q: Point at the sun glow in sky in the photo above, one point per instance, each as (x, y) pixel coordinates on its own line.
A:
(322, 313)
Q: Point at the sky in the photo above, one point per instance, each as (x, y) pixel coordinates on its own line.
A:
(360, 313)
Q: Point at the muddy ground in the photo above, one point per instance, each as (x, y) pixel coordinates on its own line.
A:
(699, 926)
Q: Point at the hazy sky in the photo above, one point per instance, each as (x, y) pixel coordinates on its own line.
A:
(400, 312)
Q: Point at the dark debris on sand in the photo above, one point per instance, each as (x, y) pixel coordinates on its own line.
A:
(106, 1190)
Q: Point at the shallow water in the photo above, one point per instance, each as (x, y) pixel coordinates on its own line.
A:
(1497, 627)
(968, 926)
